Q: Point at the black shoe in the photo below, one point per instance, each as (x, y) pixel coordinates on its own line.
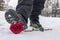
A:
(11, 17)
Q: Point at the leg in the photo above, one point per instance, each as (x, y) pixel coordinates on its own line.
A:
(24, 8)
(38, 5)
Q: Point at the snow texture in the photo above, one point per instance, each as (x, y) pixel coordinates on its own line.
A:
(46, 22)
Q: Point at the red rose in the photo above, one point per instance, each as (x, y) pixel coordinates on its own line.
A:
(17, 27)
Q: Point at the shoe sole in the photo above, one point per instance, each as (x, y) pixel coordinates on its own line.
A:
(11, 16)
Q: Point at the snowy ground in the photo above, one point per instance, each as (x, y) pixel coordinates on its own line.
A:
(46, 22)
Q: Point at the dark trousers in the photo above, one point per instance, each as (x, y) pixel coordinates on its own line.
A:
(31, 9)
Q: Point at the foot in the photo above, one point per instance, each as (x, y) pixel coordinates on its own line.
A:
(37, 26)
(16, 20)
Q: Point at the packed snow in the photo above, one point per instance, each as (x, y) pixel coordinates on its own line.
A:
(46, 22)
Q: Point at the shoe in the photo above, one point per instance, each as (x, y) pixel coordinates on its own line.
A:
(15, 19)
(37, 26)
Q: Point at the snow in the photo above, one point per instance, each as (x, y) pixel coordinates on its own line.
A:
(46, 22)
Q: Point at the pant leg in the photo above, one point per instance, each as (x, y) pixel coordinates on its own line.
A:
(24, 8)
(38, 5)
